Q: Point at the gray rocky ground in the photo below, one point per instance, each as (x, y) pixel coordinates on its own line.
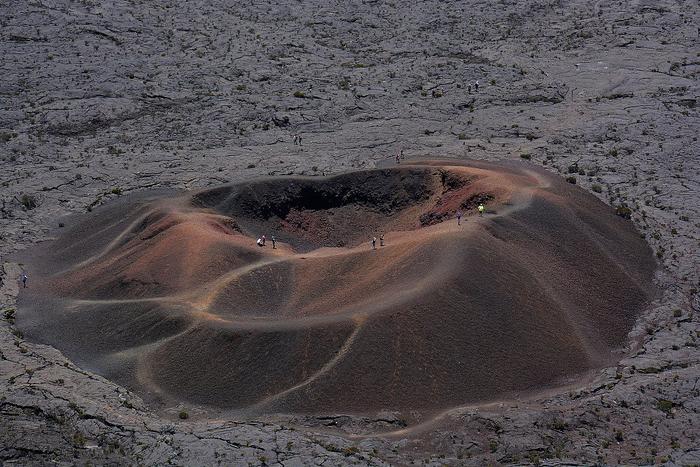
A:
(102, 98)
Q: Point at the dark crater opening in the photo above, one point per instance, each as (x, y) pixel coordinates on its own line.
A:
(343, 210)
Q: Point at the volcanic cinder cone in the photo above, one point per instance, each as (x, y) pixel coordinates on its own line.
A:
(172, 296)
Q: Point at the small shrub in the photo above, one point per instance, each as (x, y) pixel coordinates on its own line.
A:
(558, 424)
(527, 157)
(571, 180)
(113, 151)
(664, 405)
(677, 313)
(116, 191)
(29, 202)
(461, 136)
(299, 94)
(79, 440)
(350, 450)
(618, 436)
(623, 211)
(183, 415)
(597, 188)
(7, 136)
(9, 315)
(493, 445)
(613, 152)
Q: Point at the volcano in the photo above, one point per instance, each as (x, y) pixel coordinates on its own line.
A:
(171, 295)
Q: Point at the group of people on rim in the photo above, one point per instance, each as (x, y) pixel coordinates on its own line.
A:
(480, 208)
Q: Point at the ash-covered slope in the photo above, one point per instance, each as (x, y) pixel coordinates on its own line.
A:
(172, 296)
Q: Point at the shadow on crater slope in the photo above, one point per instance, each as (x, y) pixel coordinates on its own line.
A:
(172, 296)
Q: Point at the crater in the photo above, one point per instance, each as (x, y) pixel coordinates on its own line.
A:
(170, 295)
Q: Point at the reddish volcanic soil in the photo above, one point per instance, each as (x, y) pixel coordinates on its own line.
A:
(172, 296)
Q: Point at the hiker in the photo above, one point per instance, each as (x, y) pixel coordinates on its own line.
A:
(24, 278)
(263, 240)
(398, 160)
(402, 156)
(476, 86)
(481, 209)
(374, 243)
(459, 217)
(299, 139)
(273, 242)
(381, 240)
(469, 89)
(259, 242)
